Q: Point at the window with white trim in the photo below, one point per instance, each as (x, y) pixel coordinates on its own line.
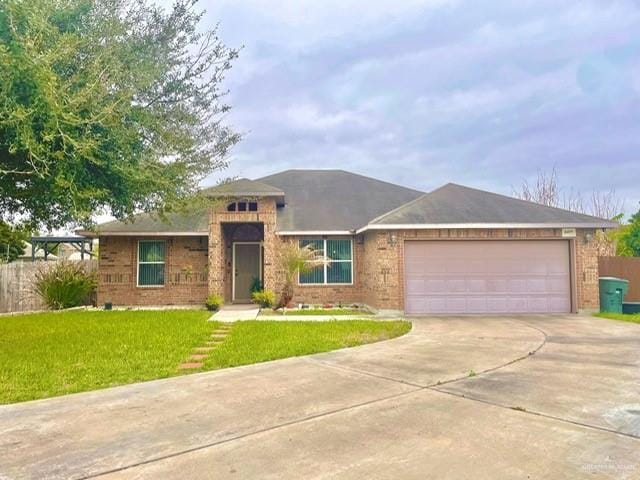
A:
(337, 266)
(151, 258)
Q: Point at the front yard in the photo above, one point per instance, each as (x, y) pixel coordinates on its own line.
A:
(49, 354)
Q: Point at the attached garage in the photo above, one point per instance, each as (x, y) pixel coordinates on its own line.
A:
(486, 276)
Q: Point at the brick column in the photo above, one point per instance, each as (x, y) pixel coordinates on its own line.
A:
(216, 255)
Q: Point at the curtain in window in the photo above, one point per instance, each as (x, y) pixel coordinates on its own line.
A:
(338, 266)
(151, 257)
(315, 275)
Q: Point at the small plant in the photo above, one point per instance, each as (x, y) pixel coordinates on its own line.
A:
(264, 298)
(472, 373)
(256, 285)
(214, 302)
(292, 260)
(64, 284)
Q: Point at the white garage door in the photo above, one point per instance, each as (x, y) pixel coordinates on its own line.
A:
(487, 277)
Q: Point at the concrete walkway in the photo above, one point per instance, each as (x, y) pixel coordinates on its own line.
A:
(483, 398)
(234, 313)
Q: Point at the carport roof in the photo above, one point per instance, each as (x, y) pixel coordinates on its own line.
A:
(458, 206)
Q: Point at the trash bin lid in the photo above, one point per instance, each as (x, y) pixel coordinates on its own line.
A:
(614, 278)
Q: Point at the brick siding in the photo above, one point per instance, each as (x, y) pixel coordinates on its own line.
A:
(185, 272)
(378, 264)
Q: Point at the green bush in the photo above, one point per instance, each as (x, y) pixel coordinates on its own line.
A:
(214, 302)
(256, 285)
(265, 298)
(64, 284)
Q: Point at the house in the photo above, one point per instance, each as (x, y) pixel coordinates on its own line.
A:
(453, 250)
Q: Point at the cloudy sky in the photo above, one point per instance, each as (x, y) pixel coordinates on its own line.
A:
(482, 93)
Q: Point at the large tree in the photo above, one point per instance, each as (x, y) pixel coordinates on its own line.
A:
(106, 105)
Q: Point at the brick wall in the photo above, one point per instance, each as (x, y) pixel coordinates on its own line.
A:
(195, 267)
(220, 247)
(185, 272)
(383, 262)
(333, 294)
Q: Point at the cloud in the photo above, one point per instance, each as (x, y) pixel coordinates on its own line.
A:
(427, 92)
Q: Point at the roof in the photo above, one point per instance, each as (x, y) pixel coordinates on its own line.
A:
(333, 200)
(243, 187)
(463, 206)
(340, 202)
(145, 223)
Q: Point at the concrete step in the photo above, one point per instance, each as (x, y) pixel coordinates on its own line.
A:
(189, 365)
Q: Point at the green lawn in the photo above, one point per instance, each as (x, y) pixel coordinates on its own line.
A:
(633, 318)
(318, 311)
(49, 354)
(258, 341)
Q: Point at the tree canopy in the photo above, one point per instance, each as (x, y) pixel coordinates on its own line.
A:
(107, 105)
(12, 242)
(628, 237)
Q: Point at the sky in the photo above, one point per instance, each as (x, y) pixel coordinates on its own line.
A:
(421, 93)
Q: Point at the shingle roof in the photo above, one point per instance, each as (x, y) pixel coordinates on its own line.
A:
(334, 200)
(339, 201)
(456, 204)
(243, 187)
(195, 222)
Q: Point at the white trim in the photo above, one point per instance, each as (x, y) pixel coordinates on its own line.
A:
(441, 226)
(138, 263)
(316, 232)
(325, 263)
(233, 265)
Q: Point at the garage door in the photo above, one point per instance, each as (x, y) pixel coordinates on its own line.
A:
(487, 277)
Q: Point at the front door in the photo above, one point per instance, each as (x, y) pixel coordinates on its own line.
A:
(246, 261)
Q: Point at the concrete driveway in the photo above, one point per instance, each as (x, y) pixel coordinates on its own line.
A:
(526, 397)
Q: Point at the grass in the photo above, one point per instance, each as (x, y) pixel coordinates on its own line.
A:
(319, 311)
(49, 354)
(625, 317)
(259, 341)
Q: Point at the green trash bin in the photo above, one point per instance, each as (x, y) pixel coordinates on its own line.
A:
(612, 292)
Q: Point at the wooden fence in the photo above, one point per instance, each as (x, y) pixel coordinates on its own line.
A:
(623, 267)
(16, 285)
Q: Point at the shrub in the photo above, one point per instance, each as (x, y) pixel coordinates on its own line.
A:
(64, 284)
(256, 285)
(214, 302)
(264, 298)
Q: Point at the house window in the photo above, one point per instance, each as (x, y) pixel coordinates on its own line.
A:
(337, 267)
(253, 206)
(151, 256)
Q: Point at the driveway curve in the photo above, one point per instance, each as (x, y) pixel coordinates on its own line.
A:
(487, 397)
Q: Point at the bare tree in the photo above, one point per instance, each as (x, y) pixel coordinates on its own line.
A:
(544, 191)
(606, 204)
(547, 191)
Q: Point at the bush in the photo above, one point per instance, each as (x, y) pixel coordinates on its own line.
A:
(64, 284)
(214, 302)
(265, 298)
(256, 285)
